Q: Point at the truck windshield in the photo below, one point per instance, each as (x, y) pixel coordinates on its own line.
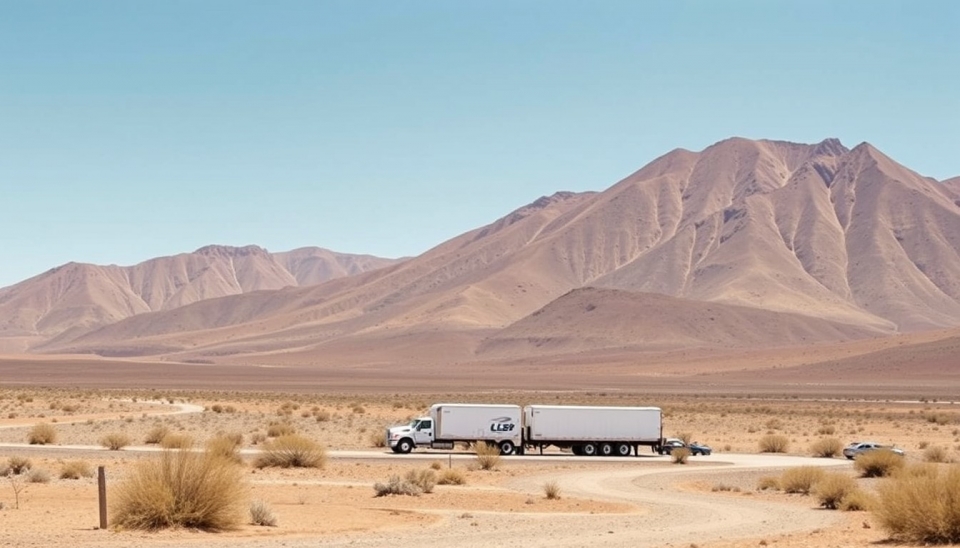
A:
(415, 424)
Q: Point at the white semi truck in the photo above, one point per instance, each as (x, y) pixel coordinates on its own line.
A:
(449, 423)
(583, 430)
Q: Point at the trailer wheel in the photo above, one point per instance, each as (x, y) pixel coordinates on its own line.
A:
(606, 449)
(588, 450)
(404, 446)
(507, 447)
(576, 450)
(623, 449)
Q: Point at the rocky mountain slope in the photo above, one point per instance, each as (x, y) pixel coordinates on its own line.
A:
(835, 242)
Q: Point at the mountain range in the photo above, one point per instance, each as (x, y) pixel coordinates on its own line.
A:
(745, 244)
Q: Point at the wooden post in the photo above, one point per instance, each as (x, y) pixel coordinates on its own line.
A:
(102, 485)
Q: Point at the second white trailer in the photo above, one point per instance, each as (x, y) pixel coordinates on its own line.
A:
(593, 430)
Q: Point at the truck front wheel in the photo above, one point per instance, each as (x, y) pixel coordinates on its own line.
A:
(404, 446)
(507, 447)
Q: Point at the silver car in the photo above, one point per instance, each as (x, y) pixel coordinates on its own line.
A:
(860, 447)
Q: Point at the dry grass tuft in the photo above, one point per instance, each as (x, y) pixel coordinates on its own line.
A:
(226, 446)
(278, 429)
(452, 476)
(826, 448)
(801, 479)
(680, 455)
(18, 465)
(768, 482)
(488, 455)
(156, 434)
(76, 469)
(424, 479)
(774, 443)
(935, 453)
(878, 463)
(176, 441)
(38, 476)
(551, 490)
(396, 486)
(377, 438)
(921, 508)
(833, 488)
(181, 488)
(292, 451)
(42, 434)
(858, 501)
(261, 514)
(115, 441)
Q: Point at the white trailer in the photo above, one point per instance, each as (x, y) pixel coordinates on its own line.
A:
(592, 431)
(449, 423)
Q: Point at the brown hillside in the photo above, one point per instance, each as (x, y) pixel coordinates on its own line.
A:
(75, 298)
(591, 319)
(849, 237)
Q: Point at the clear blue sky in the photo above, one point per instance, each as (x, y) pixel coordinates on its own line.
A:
(134, 129)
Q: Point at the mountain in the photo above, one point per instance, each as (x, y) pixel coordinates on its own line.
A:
(953, 185)
(829, 242)
(76, 297)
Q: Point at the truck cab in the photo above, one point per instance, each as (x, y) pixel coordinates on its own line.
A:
(403, 439)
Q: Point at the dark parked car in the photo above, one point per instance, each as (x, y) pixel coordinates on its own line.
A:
(695, 448)
(860, 447)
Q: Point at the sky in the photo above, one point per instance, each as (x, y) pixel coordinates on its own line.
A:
(131, 130)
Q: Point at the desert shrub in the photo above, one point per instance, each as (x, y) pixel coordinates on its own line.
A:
(826, 448)
(377, 438)
(723, 487)
(680, 455)
(827, 430)
(935, 453)
(488, 455)
(396, 486)
(156, 434)
(774, 424)
(878, 463)
(774, 443)
(685, 437)
(76, 469)
(292, 451)
(857, 501)
(38, 476)
(180, 488)
(226, 446)
(257, 438)
(800, 479)
(921, 508)
(436, 465)
(424, 479)
(261, 514)
(115, 441)
(551, 490)
(176, 441)
(322, 416)
(833, 488)
(278, 429)
(18, 465)
(42, 434)
(452, 476)
(768, 482)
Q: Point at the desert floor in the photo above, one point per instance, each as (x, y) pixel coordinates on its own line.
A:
(637, 501)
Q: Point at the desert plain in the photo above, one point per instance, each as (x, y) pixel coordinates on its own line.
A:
(644, 500)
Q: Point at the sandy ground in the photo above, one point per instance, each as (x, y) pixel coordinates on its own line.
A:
(645, 501)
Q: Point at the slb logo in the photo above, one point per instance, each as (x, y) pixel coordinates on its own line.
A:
(502, 424)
